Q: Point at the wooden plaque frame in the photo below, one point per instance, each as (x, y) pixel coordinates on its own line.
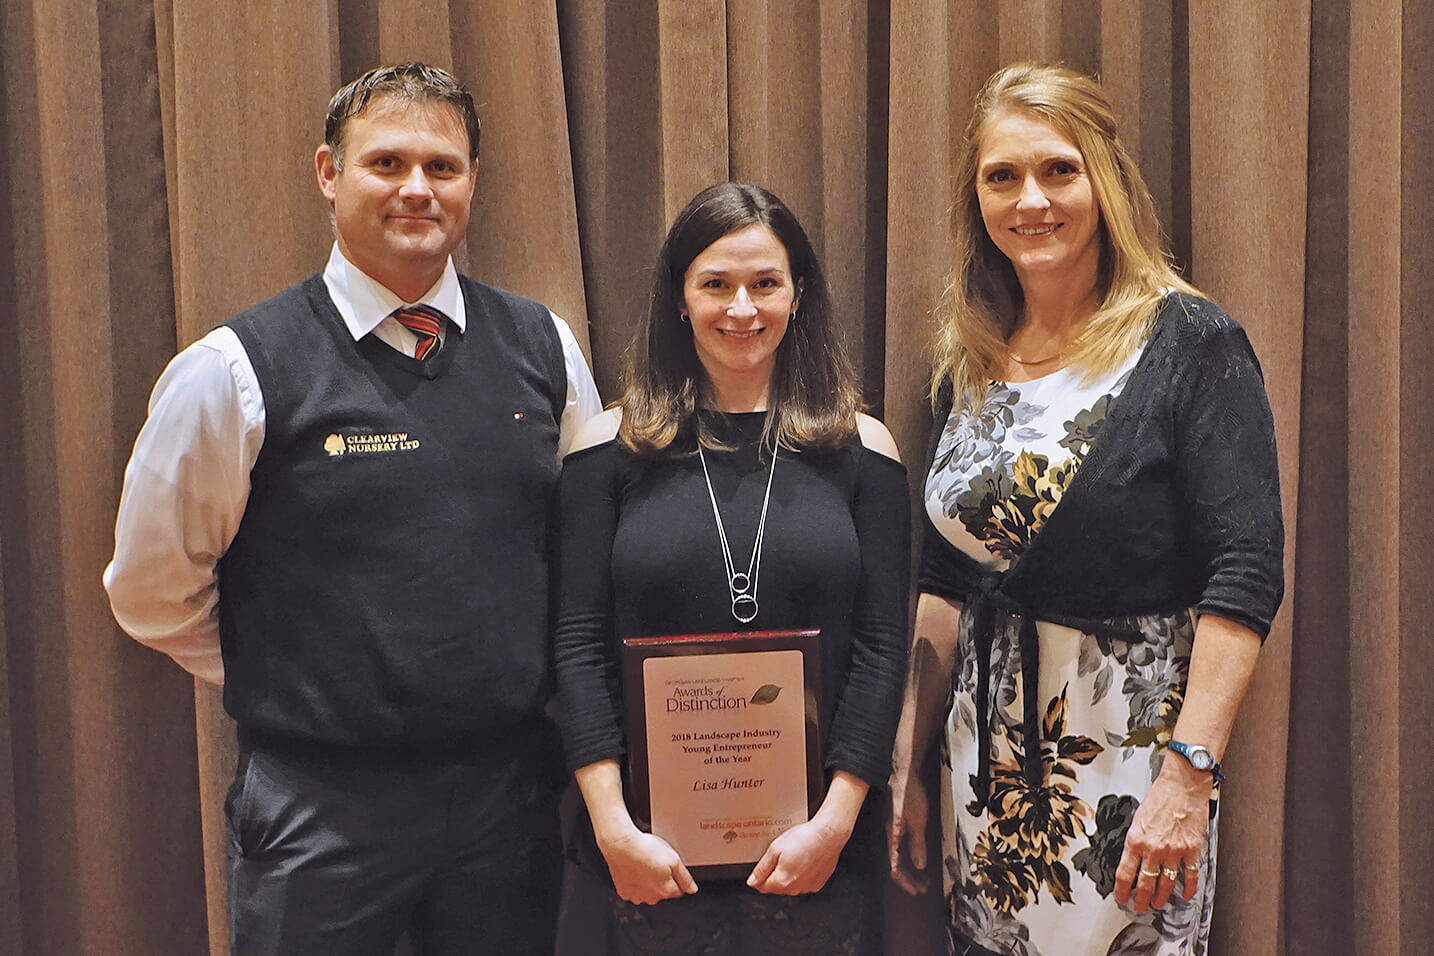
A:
(713, 666)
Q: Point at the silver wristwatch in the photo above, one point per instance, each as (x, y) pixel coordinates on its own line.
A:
(1200, 758)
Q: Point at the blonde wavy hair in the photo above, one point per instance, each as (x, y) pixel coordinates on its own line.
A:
(983, 301)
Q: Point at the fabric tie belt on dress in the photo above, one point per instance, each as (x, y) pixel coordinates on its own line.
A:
(983, 603)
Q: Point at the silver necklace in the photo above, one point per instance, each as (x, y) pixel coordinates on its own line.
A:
(741, 584)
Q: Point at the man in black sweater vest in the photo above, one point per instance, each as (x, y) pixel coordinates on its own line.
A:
(339, 509)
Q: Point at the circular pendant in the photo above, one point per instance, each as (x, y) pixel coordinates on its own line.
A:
(739, 583)
(744, 608)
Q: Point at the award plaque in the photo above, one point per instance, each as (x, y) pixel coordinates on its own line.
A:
(724, 751)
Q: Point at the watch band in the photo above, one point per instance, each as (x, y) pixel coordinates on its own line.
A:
(1200, 758)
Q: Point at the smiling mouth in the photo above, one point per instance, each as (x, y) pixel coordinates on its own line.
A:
(741, 335)
(1036, 231)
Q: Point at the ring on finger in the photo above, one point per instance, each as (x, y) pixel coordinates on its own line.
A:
(1170, 873)
(1192, 867)
(1150, 873)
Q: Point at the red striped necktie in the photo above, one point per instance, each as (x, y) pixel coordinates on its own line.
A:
(424, 322)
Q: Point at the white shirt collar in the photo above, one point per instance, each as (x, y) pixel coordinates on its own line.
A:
(363, 302)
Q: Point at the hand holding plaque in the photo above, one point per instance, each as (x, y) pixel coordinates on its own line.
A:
(802, 859)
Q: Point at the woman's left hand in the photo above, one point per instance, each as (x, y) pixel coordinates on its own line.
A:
(802, 859)
(1167, 835)
(1166, 838)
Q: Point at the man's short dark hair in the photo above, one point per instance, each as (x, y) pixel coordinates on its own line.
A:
(415, 82)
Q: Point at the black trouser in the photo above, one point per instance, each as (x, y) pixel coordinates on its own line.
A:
(338, 855)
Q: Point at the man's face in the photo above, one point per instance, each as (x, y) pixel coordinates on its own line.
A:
(401, 199)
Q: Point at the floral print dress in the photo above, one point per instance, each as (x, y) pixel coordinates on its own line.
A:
(1032, 872)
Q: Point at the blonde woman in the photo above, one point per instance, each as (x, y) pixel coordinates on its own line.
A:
(1103, 550)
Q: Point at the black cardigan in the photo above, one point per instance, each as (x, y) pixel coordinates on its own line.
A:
(1176, 505)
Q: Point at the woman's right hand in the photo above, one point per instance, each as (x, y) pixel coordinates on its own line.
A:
(923, 712)
(645, 868)
(910, 810)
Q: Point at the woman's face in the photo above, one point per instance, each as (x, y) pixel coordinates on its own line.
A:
(739, 294)
(1036, 198)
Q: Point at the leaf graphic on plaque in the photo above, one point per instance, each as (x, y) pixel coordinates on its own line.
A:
(766, 694)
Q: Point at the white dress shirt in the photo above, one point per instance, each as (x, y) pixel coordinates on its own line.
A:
(187, 482)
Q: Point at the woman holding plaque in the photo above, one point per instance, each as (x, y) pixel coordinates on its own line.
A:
(736, 487)
(1102, 555)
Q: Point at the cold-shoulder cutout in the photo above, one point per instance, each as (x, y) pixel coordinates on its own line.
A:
(601, 428)
(875, 437)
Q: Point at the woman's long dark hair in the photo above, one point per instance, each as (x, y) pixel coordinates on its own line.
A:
(813, 397)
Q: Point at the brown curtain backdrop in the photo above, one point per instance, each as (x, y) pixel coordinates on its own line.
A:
(157, 178)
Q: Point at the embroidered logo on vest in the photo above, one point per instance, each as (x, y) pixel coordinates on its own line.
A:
(389, 442)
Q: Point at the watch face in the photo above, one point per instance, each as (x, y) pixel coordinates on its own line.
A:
(1200, 758)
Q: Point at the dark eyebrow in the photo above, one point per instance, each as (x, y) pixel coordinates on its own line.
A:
(723, 273)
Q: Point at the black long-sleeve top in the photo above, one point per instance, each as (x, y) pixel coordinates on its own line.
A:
(640, 556)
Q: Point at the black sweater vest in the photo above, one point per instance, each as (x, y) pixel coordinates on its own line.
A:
(388, 585)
